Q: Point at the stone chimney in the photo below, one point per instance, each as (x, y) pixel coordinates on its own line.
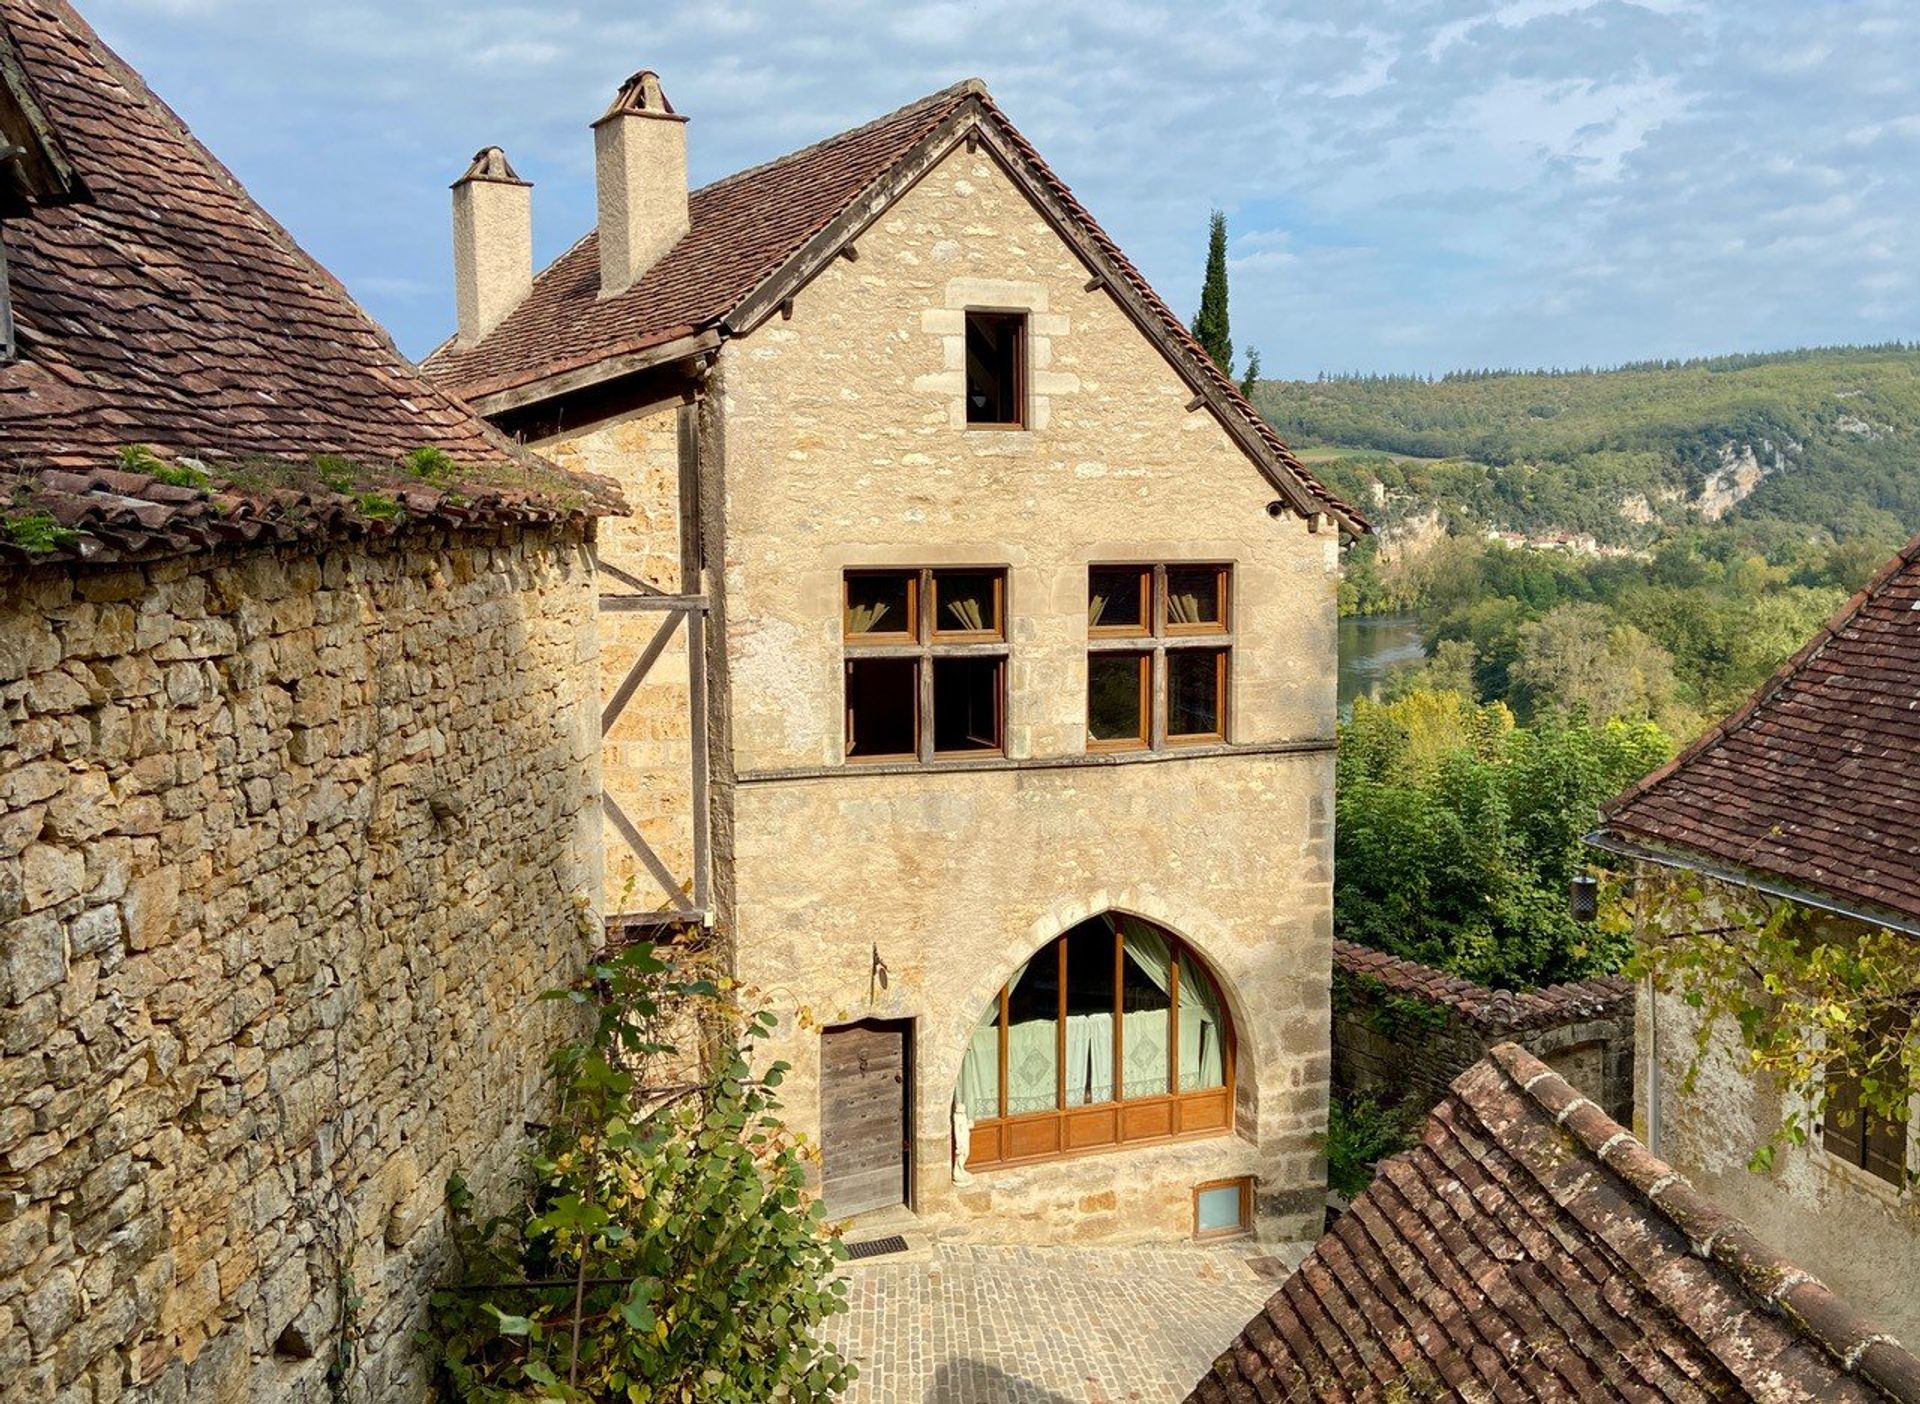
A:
(640, 161)
(492, 243)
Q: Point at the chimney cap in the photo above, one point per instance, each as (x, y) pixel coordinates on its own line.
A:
(641, 96)
(490, 164)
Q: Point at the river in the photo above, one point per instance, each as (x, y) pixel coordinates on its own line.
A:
(1371, 646)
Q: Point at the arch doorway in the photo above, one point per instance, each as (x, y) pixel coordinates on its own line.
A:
(1112, 1034)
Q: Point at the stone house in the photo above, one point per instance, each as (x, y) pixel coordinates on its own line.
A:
(299, 792)
(969, 660)
(1528, 1247)
(1804, 795)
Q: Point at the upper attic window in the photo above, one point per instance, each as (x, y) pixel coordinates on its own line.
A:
(997, 369)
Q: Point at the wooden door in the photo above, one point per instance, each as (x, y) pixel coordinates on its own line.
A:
(864, 1081)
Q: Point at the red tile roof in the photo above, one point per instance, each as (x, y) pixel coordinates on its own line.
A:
(1531, 1249)
(165, 308)
(1811, 783)
(745, 229)
(1484, 1009)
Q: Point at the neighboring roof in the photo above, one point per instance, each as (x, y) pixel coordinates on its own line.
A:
(778, 223)
(1531, 1249)
(1810, 784)
(162, 307)
(1487, 1010)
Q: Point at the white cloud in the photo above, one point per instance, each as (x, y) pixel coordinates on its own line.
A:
(1411, 185)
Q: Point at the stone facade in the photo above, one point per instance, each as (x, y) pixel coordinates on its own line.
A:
(832, 437)
(1816, 1209)
(1402, 1031)
(289, 844)
(841, 450)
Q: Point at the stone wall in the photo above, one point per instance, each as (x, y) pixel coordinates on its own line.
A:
(1852, 1230)
(289, 844)
(845, 447)
(1402, 1031)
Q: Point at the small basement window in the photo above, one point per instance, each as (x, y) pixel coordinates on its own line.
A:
(997, 369)
(1223, 1208)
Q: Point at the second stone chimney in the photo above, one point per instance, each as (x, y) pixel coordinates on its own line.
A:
(492, 243)
(640, 162)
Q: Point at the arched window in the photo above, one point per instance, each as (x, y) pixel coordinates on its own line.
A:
(1110, 1034)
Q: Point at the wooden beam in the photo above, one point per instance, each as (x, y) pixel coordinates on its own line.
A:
(632, 582)
(638, 672)
(850, 253)
(627, 604)
(1095, 284)
(644, 852)
(697, 712)
(548, 387)
(1197, 402)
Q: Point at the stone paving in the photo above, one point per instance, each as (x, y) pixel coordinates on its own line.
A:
(972, 1324)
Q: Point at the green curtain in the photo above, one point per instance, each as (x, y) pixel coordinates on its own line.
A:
(1144, 1045)
(1202, 1030)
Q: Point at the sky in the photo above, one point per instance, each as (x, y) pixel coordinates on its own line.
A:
(1410, 185)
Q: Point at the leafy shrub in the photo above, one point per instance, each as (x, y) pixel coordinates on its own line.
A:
(1360, 1134)
(1457, 834)
(666, 1250)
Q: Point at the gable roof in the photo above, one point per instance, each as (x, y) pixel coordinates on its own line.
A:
(1531, 1248)
(756, 237)
(157, 304)
(1809, 785)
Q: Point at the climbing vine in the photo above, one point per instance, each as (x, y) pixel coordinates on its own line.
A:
(1796, 993)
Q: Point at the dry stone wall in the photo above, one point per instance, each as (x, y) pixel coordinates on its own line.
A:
(1402, 1031)
(289, 844)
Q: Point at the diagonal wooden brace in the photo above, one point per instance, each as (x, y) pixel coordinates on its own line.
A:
(638, 672)
(644, 851)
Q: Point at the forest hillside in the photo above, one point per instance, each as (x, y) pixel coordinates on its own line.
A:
(1818, 441)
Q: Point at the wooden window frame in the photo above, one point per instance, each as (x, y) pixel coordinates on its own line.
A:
(1244, 1183)
(1066, 1132)
(923, 645)
(1873, 1145)
(1022, 397)
(1157, 639)
(1141, 741)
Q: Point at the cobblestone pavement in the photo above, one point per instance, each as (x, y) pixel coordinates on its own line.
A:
(1016, 1325)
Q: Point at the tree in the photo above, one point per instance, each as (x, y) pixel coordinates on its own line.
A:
(1457, 832)
(667, 1250)
(1252, 377)
(1210, 323)
(1576, 656)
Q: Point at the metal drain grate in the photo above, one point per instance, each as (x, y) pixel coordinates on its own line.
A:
(877, 1247)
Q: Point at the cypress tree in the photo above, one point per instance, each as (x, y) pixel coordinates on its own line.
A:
(1252, 376)
(1210, 322)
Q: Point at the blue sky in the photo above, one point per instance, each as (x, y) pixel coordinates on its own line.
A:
(1412, 185)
